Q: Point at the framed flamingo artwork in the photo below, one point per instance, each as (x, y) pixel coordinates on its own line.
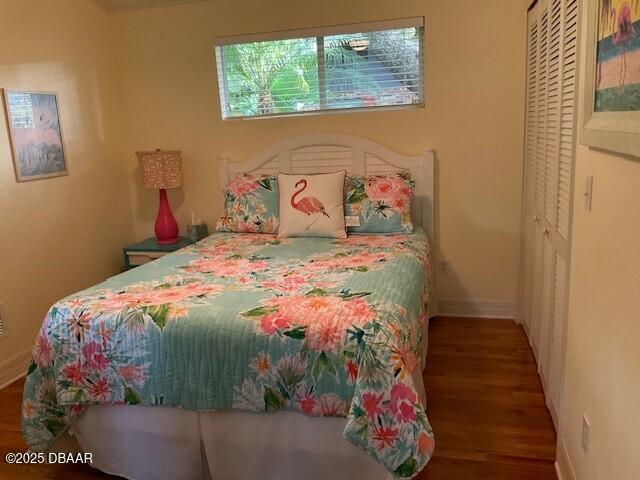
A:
(612, 84)
(36, 134)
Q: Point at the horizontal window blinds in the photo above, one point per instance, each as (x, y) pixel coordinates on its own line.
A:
(363, 68)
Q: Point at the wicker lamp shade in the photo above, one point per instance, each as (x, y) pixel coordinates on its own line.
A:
(160, 169)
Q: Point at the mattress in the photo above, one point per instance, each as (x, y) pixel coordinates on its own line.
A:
(250, 322)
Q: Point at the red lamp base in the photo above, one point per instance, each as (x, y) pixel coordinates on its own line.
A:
(166, 225)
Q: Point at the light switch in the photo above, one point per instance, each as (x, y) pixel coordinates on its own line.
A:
(588, 192)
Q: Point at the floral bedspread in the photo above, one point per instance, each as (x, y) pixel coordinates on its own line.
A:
(248, 321)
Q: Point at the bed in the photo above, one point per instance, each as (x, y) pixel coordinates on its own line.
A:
(160, 372)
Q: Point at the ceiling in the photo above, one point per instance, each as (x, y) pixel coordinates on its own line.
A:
(123, 5)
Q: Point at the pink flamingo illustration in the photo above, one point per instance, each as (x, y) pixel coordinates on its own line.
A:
(624, 33)
(307, 205)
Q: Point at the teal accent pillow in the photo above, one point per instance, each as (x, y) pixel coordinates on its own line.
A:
(250, 205)
(382, 203)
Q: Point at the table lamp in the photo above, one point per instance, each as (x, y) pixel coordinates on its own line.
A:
(162, 169)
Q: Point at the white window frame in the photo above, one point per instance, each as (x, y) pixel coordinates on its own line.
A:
(319, 33)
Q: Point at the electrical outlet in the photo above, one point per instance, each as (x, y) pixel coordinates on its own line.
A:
(586, 434)
(3, 322)
(444, 266)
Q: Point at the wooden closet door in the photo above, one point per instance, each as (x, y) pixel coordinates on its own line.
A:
(552, 44)
(535, 172)
(527, 262)
(560, 227)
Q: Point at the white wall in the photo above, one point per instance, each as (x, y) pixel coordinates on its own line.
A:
(602, 378)
(62, 234)
(473, 118)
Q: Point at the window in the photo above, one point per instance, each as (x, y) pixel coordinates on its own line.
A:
(371, 65)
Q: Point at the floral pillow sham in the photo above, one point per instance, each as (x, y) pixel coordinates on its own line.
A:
(379, 203)
(250, 205)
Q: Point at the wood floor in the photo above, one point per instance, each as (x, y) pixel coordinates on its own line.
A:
(485, 405)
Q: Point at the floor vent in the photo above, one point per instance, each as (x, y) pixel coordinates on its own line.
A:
(3, 323)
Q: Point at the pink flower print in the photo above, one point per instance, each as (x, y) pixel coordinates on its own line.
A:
(269, 324)
(94, 357)
(164, 296)
(270, 284)
(411, 361)
(74, 372)
(402, 400)
(302, 308)
(405, 191)
(330, 405)
(406, 413)
(292, 283)
(426, 444)
(147, 295)
(372, 404)
(325, 335)
(242, 184)
(75, 303)
(307, 403)
(177, 311)
(327, 318)
(230, 267)
(359, 311)
(132, 374)
(246, 227)
(42, 352)
(400, 203)
(381, 188)
(357, 260)
(100, 390)
(219, 249)
(352, 371)
(117, 302)
(385, 437)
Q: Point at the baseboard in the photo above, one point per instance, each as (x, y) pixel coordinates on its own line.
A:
(564, 468)
(14, 368)
(476, 308)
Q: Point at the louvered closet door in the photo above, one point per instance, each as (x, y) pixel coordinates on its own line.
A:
(548, 181)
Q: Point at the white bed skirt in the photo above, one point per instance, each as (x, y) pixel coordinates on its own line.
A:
(144, 443)
(164, 443)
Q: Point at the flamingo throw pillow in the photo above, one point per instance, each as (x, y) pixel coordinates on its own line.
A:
(312, 205)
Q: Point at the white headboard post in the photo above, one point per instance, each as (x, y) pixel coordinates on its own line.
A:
(330, 152)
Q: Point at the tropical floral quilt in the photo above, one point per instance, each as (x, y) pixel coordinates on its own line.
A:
(248, 321)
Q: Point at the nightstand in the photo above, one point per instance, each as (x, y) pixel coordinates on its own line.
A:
(149, 250)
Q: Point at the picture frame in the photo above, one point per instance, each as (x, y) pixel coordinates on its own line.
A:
(35, 133)
(611, 103)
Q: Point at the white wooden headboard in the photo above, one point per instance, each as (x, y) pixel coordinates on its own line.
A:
(325, 152)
